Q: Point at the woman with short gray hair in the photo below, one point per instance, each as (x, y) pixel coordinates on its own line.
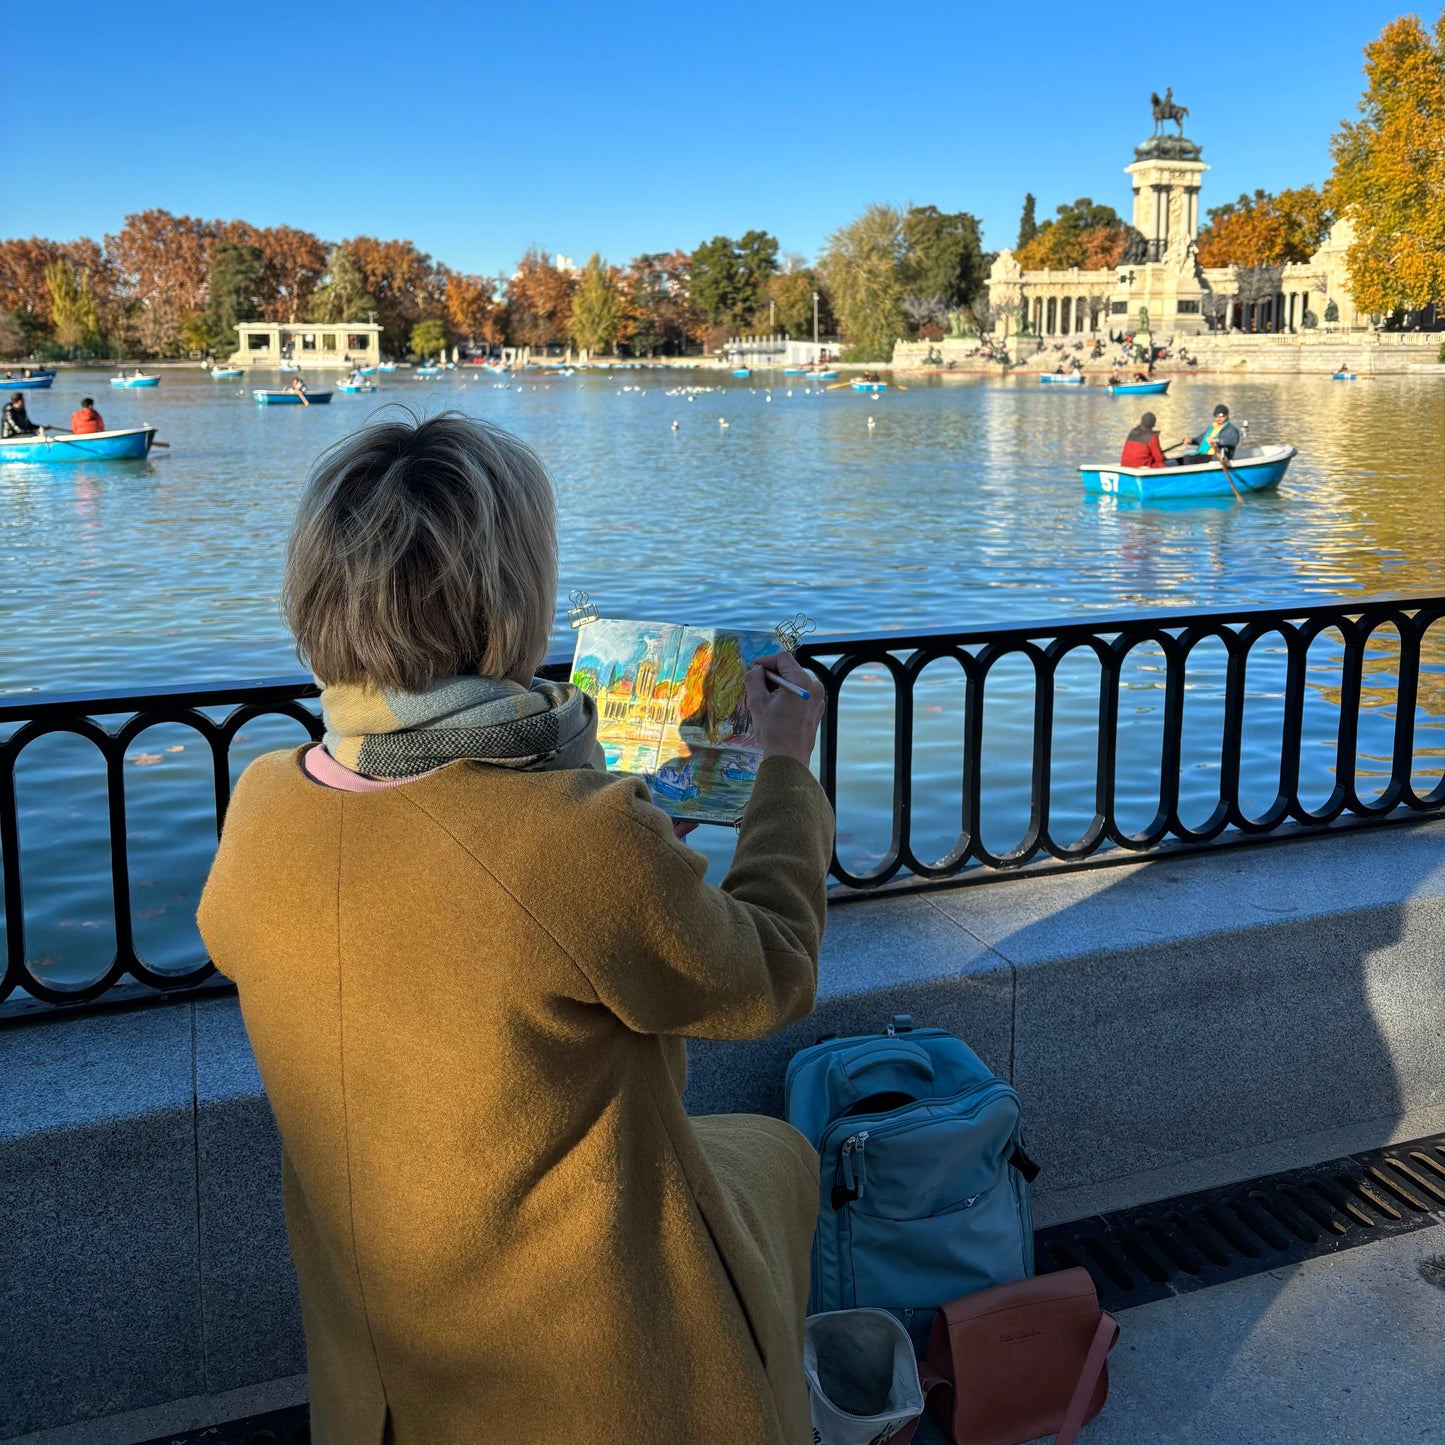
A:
(467, 960)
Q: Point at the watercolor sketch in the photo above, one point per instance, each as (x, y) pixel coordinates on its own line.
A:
(672, 708)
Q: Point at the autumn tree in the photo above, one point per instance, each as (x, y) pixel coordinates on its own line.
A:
(472, 311)
(862, 263)
(659, 302)
(539, 300)
(1082, 234)
(342, 294)
(1389, 175)
(162, 264)
(1265, 229)
(724, 690)
(405, 283)
(596, 316)
(72, 308)
(292, 265)
(791, 294)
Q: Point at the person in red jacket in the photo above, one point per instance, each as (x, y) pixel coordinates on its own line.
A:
(87, 418)
(1142, 447)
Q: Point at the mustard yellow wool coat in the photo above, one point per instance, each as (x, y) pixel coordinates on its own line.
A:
(467, 997)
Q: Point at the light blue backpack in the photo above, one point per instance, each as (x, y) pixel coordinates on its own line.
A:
(925, 1185)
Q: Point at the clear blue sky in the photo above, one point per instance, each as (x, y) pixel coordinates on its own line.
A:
(474, 128)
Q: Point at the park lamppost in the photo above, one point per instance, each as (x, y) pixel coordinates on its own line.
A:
(772, 312)
(815, 318)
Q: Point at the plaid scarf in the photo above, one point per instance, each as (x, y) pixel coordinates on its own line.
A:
(388, 734)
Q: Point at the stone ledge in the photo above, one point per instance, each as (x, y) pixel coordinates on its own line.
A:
(1162, 1020)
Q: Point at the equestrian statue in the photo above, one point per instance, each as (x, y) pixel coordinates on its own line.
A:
(1166, 110)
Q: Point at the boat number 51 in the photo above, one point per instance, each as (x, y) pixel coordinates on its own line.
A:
(1108, 481)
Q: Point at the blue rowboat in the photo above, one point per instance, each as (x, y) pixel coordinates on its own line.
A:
(134, 441)
(1344, 376)
(225, 373)
(742, 371)
(287, 397)
(795, 371)
(1051, 378)
(1139, 388)
(36, 381)
(824, 375)
(352, 387)
(135, 381)
(386, 366)
(427, 371)
(365, 370)
(1255, 469)
(870, 386)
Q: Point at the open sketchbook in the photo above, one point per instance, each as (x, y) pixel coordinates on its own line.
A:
(672, 708)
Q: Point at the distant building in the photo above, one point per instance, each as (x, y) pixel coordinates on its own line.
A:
(313, 344)
(1161, 275)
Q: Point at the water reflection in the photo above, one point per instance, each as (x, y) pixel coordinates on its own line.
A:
(961, 507)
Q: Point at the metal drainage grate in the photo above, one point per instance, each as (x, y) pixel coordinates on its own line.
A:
(1173, 1246)
(1176, 1246)
(277, 1427)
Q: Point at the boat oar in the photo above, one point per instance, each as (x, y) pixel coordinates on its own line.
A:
(1229, 476)
(837, 385)
(166, 445)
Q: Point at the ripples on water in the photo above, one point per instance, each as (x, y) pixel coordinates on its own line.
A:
(961, 508)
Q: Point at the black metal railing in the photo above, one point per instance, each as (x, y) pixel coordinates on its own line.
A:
(1386, 637)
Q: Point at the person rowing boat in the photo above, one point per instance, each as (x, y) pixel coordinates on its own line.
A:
(1217, 442)
(15, 420)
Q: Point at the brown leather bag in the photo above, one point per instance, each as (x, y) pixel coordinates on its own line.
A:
(1021, 1360)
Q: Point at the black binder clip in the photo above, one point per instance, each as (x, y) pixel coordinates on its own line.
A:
(581, 611)
(791, 630)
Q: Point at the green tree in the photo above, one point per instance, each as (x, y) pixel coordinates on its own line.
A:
(729, 278)
(1389, 176)
(791, 294)
(72, 308)
(234, 286)
(1028, 226)
(596, 308)
(945, 255)
(428, 337)
(862, 263)
(342, 296)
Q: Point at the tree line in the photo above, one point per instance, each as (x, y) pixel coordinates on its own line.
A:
(165, 285)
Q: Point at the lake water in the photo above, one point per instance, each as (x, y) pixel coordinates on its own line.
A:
(960, 507)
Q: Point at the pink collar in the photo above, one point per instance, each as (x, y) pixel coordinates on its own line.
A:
(321, 767)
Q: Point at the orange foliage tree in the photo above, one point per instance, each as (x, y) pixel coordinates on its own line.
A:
(408, 286)
(1389, 175)
(162, 262)
(539, 300)
(1266, 230)
(1085, 235)
(472, 310)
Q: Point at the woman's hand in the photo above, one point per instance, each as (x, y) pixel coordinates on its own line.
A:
(784, 724)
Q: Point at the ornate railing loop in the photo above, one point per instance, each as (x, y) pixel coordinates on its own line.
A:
(1372, 633)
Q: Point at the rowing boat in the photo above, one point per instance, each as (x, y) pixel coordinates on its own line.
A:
(870, 386)
(287, 397)
(352, 387)
(1254, 469)
(1344, 376)
(135, 381)
(225, 373)
(134, 441)
(36, 381)
(1140, 388)
(1052, 378)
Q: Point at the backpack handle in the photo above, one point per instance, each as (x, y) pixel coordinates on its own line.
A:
(879, 1067)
